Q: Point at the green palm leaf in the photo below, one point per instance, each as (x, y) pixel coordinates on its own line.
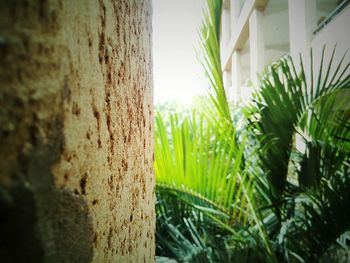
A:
(283, 100)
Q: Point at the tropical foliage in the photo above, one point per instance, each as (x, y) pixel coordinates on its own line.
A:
(276, 189)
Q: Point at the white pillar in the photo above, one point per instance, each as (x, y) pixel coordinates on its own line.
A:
(256, 42)
(227, 78)
(235, 11)
(226, 31)
(236, 76)
(302, 21)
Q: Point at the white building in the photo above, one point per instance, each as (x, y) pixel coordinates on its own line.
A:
(255, 33)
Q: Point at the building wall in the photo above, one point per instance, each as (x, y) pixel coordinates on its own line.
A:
(266, 30)
(76, 154)
(336, 33)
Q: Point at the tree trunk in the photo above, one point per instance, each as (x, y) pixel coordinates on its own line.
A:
(76, 124)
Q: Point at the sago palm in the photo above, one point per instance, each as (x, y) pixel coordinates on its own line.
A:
(200, 189)
(296, 216)
(253, 196)
(311, 212)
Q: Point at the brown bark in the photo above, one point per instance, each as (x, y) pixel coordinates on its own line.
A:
(76, 143)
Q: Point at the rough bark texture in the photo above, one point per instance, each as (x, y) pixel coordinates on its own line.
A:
(76, 123)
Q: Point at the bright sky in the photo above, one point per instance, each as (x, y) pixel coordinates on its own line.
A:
(177, 73)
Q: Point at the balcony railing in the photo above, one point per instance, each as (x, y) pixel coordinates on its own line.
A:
(331, 16)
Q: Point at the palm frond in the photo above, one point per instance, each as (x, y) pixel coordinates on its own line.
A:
(209, 56)
(196, 161)
(284, 98)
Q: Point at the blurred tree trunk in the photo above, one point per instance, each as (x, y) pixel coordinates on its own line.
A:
(76, 124)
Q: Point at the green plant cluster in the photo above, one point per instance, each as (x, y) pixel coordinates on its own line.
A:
(233, 187)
